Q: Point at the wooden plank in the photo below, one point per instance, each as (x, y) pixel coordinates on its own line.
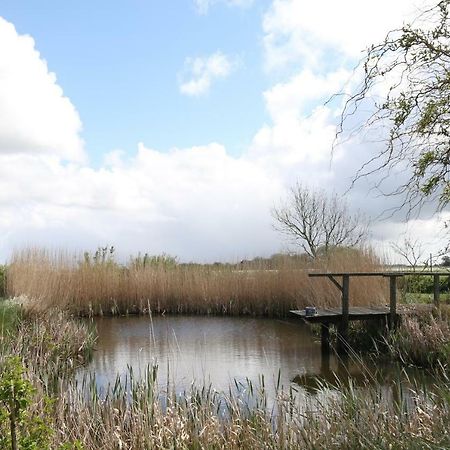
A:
(355, 274)
(334, 315)
(392, 301)
(335, 282)
(379, 274)
(429, 273)
(332, 312)
(342, 335)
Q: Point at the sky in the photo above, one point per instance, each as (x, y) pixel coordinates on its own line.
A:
(176, 127)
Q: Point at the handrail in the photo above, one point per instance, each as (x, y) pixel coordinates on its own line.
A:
(378, 274)
(392, 275)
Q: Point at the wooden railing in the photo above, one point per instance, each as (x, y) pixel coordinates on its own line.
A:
(344, 287)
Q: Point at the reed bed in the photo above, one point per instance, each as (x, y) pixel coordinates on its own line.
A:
(136, 414)
(70, 282)
(50, 342)
(133, 417)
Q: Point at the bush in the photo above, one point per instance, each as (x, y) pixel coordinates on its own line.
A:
(421, 284)
(24, 419)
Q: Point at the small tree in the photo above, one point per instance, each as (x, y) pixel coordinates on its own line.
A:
(318, 222)
(410, 250)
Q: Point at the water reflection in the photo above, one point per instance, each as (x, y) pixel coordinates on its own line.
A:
(224, 351)
(213, 350)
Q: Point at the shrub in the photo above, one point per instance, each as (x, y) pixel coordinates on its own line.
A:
(20, 427)
(423, 284)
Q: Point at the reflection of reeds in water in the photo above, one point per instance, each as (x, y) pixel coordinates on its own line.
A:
(62, 279)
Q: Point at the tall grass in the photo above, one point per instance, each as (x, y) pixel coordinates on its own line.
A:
(422, 340)
(133, 417)
(136, 414)
(104, 287)
(50, 342)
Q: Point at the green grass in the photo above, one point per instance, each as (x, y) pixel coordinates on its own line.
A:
(416, 297)
(9, 316)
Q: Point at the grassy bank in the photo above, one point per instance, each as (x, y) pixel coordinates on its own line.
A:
(49, 342)
(423, 339)
(88, 286)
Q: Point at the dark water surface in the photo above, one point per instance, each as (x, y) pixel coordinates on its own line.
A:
(222, 350)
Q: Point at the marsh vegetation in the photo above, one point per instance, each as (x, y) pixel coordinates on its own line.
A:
(58, 410)
(68, 400)
(97, 285)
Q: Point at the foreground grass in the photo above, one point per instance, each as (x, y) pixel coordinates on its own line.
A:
(9, 316)
(134, 416)
(417, 297)
(56, 412)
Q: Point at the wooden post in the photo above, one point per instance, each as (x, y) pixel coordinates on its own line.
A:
(436, 291)
(343, 325)
(325, 337)
(392, 301)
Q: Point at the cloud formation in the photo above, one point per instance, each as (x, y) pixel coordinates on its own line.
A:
(35, 116)
(200, 202)
(200, 72)
(305, 33)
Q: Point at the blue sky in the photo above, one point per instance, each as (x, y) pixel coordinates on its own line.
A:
(119, 63)
(157, 126)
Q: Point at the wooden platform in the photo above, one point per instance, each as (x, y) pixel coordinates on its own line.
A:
(340, 317)
(334, 315)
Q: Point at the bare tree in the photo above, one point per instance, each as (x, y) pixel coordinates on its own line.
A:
(317, 222)
(410, 250)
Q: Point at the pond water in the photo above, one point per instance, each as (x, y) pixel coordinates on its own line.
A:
(223, 351)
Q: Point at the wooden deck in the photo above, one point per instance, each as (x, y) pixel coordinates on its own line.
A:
(340, 317)
(334, 315)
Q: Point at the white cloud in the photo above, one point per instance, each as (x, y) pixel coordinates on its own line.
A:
(303, 33)
(35, 117)
(199, 202)
(200, 72)
(203, 6)
(293, 98)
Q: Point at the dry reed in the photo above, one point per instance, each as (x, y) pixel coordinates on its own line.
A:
(422, 340)
(133, 417)
(136, 414)
(67, 281)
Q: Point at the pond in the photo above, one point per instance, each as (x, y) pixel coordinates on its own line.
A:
(228, 351)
